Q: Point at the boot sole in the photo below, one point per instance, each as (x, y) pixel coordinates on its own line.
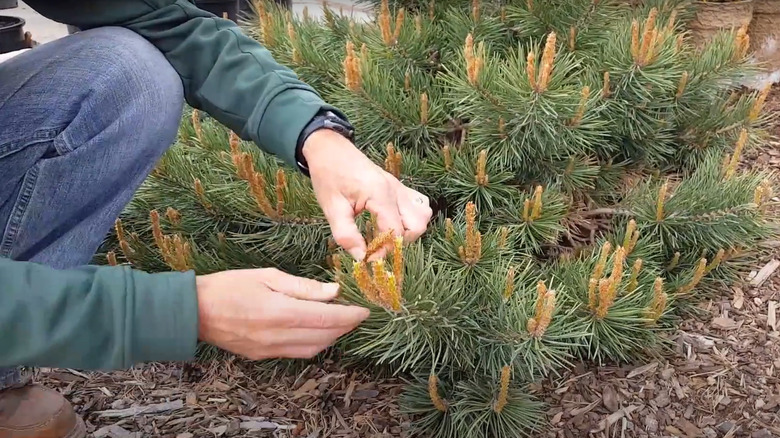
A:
(79, 430)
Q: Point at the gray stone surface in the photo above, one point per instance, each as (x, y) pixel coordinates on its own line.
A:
(360, 12)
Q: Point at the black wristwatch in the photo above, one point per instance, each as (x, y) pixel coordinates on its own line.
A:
(323, 120)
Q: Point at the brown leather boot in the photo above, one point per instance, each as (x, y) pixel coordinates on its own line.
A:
(33, 411)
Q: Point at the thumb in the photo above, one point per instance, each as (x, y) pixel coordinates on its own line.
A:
(299, 287)
(341, 217)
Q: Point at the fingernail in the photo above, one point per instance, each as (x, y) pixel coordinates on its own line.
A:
(331, 288)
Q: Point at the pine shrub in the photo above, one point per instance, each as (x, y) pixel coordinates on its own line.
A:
(583, 160)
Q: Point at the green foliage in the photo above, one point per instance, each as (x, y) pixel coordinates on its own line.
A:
(470, 409)
(436, 326)
(704, 212)
(546, 157)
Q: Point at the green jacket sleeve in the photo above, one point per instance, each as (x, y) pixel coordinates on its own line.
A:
(94, 317)
(225, 73)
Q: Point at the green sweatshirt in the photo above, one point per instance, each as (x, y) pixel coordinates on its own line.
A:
(114, 317)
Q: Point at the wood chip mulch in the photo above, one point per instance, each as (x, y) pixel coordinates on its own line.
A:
(723, 381)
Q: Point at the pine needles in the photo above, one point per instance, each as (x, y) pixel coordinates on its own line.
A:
(517, 119)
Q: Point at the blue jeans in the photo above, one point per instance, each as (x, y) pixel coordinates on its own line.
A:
(83, 121)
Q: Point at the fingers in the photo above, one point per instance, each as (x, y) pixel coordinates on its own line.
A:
(304, 343)
(299, 287)
(305, 308)
(298, 343)
(415, 211)
(341, 218)
(315, 315)
(395, 206)
(263, 313)
(387, 216)
(302, 337)
(300, 351)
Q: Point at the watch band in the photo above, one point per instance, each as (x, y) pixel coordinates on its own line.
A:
(323, 120)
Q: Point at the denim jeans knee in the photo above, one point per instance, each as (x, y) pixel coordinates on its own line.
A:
(105, 92)
(135, 74)
(85, 119)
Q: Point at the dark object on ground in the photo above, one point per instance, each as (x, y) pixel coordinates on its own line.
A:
(220, 7)
(8, 4)
(246, 6)
(234, 8)
(11, 33)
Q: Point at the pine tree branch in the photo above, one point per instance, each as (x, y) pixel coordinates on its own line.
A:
(606, 211)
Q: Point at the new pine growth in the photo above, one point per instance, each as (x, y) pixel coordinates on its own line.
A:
(472, 252)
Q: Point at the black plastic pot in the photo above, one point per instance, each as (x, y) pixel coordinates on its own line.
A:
(11, 34)
(220, 7)
(246, 6)
(8, 4)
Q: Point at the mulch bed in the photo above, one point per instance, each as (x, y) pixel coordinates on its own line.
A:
(722, 380)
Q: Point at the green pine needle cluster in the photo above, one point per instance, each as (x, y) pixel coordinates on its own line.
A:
(583, 159)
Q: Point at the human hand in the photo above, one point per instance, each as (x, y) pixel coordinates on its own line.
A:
(346, 183)
(266, 313)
